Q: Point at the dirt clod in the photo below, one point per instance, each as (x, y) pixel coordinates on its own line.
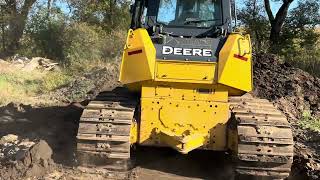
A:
(10, 138)
(41, 151)
(25, 161)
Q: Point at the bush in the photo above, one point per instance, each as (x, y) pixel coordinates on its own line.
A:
(77, 45)
(81, 44)
(85, 46)
(306, 59)
(309, 122)
(42, 36)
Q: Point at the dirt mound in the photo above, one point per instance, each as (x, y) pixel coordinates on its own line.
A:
(89, 85)
(56, 125)
(293, 90)
(23, 158)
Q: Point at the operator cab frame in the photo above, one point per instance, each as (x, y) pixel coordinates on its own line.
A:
(183, 18)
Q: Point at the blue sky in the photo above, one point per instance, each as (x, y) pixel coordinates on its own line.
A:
(275, 5)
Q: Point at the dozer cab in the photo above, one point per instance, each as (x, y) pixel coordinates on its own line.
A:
(185, 76)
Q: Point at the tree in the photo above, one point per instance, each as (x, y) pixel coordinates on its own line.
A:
(108, 14)
(277, 21)
(3, 20)
(43, 31)
(302, 22)
(252, 18)
(18, 14)
(288, 29)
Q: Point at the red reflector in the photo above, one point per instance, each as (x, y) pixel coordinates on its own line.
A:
(135, 52)
(241, 57)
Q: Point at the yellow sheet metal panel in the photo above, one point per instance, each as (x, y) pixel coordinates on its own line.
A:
(180, 71)
(138, 58)
(185, 91)
(235, 66)
(166, 119)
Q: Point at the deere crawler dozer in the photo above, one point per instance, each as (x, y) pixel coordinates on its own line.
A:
(185, 73)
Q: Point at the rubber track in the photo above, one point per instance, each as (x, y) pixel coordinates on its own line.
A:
(265, 141)
(103, 137)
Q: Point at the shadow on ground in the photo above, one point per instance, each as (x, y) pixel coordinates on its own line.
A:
(58, 126)
(198, 164)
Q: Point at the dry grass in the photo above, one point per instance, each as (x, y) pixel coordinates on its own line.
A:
(35, 87)
(25, 87)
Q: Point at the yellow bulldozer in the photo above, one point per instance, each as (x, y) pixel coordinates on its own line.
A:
(186, 74)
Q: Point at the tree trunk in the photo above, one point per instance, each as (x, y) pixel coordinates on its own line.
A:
(258, 40)
(275, 34)
(255, 6)
(111, 12)
(16, 27)
(49, 8)
(3, 38)
(277, 22)
(17, 23)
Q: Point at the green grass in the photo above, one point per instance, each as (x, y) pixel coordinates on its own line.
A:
(54, 80)
(22, 87)
(309, 122)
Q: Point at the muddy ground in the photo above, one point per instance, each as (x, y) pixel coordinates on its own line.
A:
(58, 127)
(292, 91)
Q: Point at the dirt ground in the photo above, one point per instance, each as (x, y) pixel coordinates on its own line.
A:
(58, 125)
(294, 92)
(51, 130)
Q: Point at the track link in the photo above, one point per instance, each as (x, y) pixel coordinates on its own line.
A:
(103, 138)
(265, 141)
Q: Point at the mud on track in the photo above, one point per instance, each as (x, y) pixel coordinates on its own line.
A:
(57, 125)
